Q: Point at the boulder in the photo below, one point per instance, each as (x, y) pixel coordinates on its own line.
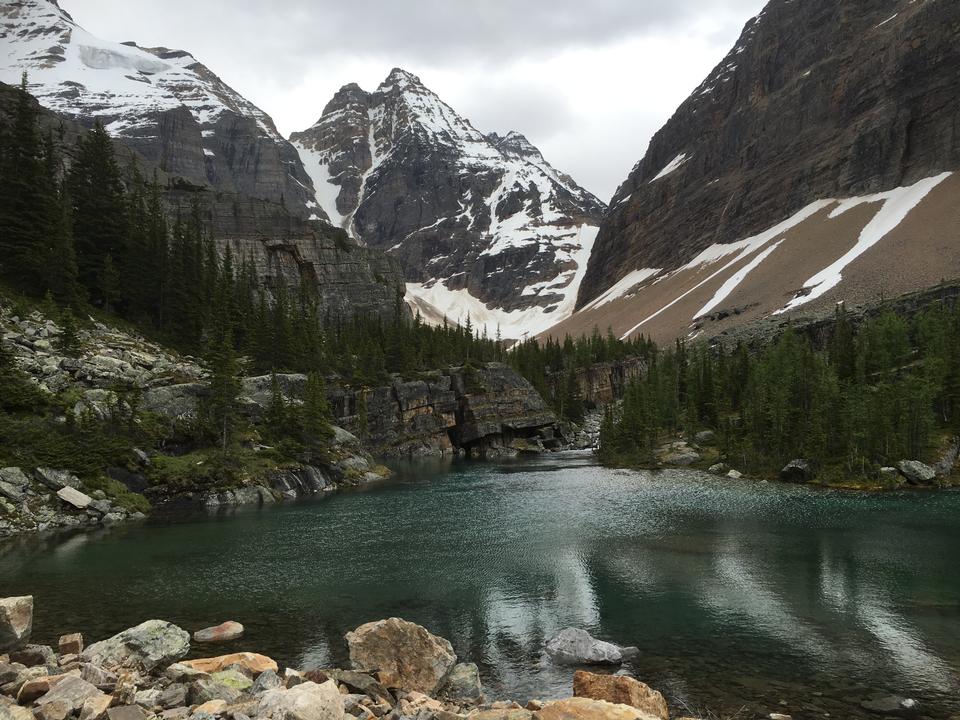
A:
(406, 655)
(574, 646)
(579, 708)
(705, 437)
(207, 689)
(15, 712)
(37, 687)
(251, 662)
(56, 479)
(95, 707)
(34, 656)
(357, 681)
(13, 483)
(232, 678)
(916, 472)
(719, 469)
(127, 712)
(306, 701)
(267, 680)
(71, 644)
(622, 690)
(463, 683)
(74, 497)
(797, 471)
(224, 632)
(72, 692)
(890, 475)
(149, 645)
(16, 621)
(735, 475)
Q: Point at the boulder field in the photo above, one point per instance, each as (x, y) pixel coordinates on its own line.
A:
(399, 670)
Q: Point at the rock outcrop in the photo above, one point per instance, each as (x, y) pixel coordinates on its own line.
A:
(482, 411)
(482, 224)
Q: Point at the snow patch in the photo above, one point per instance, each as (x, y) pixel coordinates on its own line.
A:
(897, 204)
(622, 287)
(671, 167)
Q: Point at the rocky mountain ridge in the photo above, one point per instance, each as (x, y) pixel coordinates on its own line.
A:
(482, 224)
(164, 103)
(813, 165)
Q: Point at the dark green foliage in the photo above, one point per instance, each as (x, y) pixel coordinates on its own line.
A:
(873, 397)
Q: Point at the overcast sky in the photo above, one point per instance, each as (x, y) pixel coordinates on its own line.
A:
(588, 82)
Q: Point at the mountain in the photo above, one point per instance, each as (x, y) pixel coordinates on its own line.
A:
(482, 224)
(163, 103)
(814, 165)
(180, 119)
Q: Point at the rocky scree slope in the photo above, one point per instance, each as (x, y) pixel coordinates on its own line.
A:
(809, 167)
(164, 103)
(482, 224)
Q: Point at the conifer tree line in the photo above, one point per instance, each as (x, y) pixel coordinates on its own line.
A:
(92, 231)
(876, 395)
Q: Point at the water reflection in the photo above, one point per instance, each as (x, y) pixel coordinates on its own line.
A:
(734, 592)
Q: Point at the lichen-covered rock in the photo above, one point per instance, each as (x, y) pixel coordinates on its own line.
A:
(406, 655)
(149, 645)
(16, 621)
(622, 690)
(916, 472)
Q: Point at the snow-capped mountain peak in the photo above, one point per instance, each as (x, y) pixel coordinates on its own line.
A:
(479, 221)
(131, 89)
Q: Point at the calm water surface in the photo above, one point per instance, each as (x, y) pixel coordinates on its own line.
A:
(737, 594)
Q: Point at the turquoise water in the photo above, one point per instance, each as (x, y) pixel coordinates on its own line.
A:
(738, 594)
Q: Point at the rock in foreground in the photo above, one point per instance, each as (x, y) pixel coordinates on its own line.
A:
(306, 701)
(148, 645)
(406, 655)
(16, 621)
(573, 646)
(621, 690)
(579, 708)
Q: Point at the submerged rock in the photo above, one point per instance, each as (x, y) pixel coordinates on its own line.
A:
(620, 689)
(574, 646)
(224, 632)
(148, 645)
(406, 655)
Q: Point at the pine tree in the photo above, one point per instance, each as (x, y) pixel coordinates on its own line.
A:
(99, 212)
(224, 386)
(69, 340)
(317, 416)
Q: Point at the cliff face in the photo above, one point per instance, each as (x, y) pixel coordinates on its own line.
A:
(483, 412)
(818, 101)
(481, 224)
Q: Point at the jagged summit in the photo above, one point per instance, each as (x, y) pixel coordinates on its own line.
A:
(483, 224)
